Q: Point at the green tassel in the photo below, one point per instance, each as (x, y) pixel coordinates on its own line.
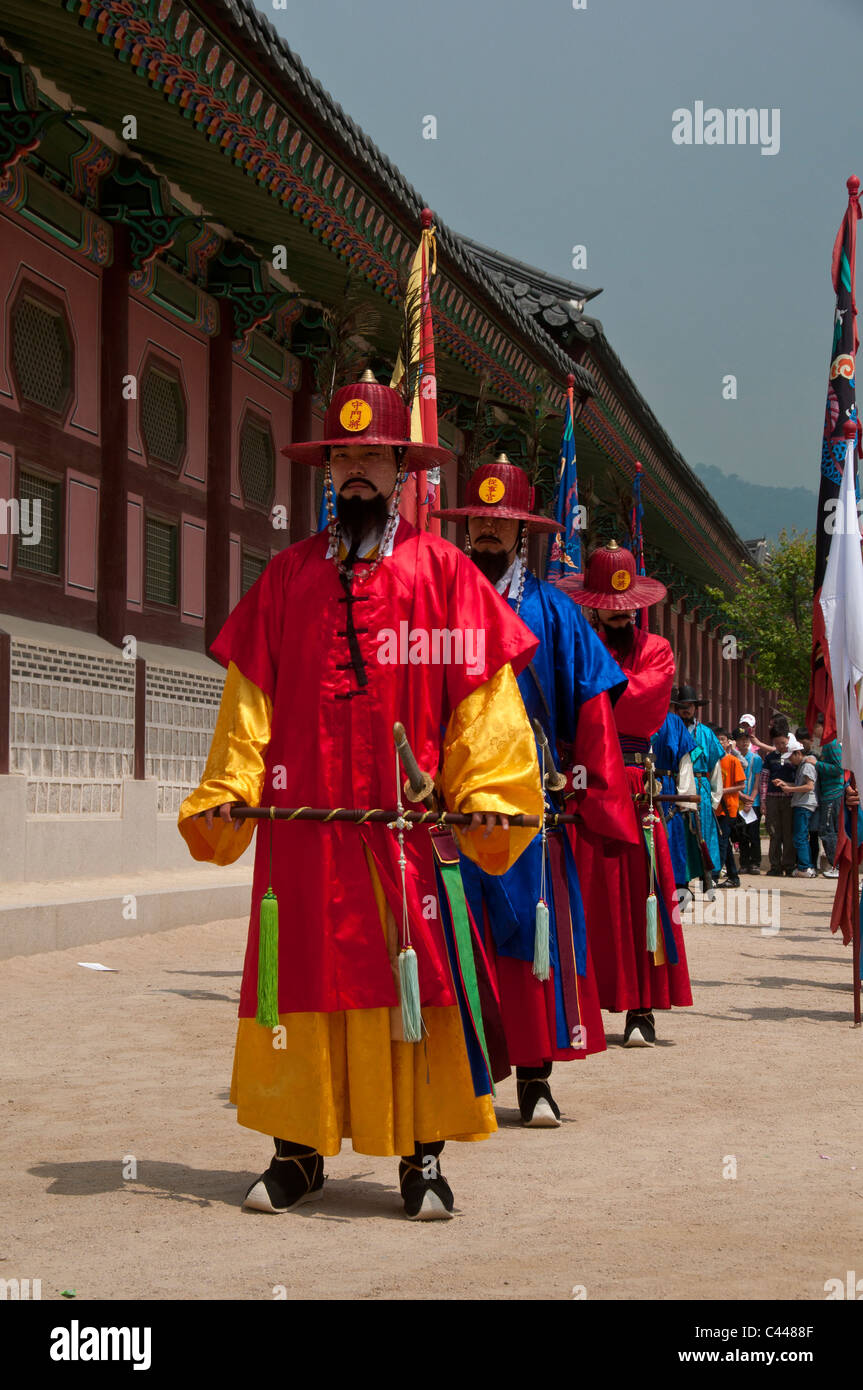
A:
(651, 921)
(268, 962)
(651, 848)
(541, 963)
(409, 983)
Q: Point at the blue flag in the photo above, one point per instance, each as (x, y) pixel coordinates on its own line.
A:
(564, 553)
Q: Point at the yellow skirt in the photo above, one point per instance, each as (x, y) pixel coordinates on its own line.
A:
(322, 1077)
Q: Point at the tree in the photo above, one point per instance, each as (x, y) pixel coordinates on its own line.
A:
(770, 614)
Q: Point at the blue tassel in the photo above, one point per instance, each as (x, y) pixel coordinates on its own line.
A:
(409, 983)
(651, 922)
(541, 962)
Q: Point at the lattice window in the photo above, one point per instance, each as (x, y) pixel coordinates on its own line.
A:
(41, 354)
(42, 514)
(163, 416)
(257, 462)
(253, 568)
(161, 581)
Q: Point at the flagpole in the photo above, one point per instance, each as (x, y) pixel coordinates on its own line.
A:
(841, 600)
(851, 520)
(855, 901)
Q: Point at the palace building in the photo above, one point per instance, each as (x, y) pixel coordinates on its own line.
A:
(180, 203)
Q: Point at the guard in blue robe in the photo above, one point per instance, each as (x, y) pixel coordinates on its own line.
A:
(670, 745)
(706, 757)
(569, 688)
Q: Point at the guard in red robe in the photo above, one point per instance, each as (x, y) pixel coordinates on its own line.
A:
(343, 635)
(617, 880)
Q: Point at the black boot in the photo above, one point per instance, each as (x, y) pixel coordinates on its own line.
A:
(426, 1193)
(295, 1175)
(538, 1107)
(640, 1030)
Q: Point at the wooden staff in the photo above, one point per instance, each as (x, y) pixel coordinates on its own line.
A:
(324, 815)
(665, 796)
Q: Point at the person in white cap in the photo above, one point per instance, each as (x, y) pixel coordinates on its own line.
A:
(804, 804)
(753, 737)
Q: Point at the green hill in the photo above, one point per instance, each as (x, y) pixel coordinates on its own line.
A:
(755, 509)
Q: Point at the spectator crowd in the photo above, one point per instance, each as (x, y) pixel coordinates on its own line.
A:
(795, 781)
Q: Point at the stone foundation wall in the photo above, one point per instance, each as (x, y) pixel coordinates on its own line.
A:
(73, 729)
(181, 715)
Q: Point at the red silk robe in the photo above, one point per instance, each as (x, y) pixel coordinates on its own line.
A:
(331, 744)
(615, 878)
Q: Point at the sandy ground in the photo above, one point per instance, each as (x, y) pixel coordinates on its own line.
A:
(629, 1199)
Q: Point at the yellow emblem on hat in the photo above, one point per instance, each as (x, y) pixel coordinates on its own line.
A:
(355, 415)
(621, 579)
(491, 490)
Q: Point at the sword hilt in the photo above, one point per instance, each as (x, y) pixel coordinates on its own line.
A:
(419, 785)
(553, 780)
(652, 785)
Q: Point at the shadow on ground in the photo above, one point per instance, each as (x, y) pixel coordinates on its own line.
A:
(344, 1199)
(202, 994)
(789, 1015)
(508, 1118)
(208, 974)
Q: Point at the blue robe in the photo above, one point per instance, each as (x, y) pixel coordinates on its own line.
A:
(706, 754)
(572, 666)
(670, 744)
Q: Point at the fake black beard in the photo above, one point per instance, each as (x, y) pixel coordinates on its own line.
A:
(359, 516)
(492, 563)
(620, 640)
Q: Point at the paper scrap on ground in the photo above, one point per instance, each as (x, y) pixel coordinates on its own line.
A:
(94, 965)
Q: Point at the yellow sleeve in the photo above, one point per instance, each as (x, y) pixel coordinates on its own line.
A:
(490, 764)
(234, 771)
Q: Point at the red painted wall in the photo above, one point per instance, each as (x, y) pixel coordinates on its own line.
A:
(159, 337)
(71, 449)
(75, 283)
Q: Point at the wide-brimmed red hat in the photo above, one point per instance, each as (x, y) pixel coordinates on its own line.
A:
(610, 581)
(500, 489)
(368, 413)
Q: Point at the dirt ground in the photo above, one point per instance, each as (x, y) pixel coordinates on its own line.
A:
(632, 1198)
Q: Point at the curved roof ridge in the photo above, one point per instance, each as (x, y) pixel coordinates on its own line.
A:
(262, 35)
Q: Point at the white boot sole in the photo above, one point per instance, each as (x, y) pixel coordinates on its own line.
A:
(543, 1116)
(432, 1209)
(637, 1039)
(258, 1199)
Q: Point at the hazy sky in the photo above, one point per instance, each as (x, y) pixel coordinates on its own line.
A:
(555, 129)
